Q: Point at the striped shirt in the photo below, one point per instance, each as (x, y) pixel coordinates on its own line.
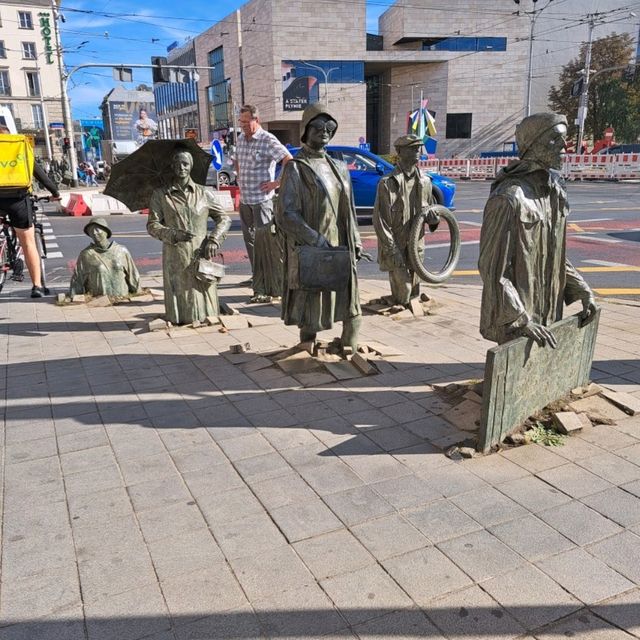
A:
(257, 159)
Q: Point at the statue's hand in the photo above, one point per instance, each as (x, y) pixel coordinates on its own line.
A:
(398, 258)
(322, 242)
(589, 309)
(210, 249)
(540, 334)
(433, 220)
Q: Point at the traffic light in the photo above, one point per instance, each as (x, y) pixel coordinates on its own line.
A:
(66, 145)
(576, 87)
(159, 73)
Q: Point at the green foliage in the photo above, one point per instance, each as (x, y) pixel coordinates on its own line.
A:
(545, 435)
(613, 101)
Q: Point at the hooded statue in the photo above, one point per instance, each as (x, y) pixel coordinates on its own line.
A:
(526, 275)
(104, 268)
(315, 208)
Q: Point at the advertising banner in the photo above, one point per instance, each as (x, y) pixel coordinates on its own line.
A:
(133, 121)
(297, 90)
(92, 135)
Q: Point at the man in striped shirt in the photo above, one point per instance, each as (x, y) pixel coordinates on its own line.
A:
(257, 154)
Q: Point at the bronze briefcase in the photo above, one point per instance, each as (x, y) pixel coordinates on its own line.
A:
(326, 268)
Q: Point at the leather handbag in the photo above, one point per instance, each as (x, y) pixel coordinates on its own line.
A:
(327, 268)
(208, 270)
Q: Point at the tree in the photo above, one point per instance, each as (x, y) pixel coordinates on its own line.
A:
(613, 101)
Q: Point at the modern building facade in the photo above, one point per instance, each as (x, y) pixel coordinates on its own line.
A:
(464, 59)
(29, 72)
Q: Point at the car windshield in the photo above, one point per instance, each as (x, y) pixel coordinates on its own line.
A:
(358, 162)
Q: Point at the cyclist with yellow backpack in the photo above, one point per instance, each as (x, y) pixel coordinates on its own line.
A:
(17, 169)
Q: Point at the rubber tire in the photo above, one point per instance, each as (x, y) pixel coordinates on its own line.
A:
(415, 240)
(223, 179)
(41, 253)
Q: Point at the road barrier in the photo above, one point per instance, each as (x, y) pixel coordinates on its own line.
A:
(589, 166)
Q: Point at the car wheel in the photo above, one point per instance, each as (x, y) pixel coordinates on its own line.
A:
(437, 195)
(223, 179)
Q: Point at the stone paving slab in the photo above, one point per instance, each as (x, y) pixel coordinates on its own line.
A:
(154, 488)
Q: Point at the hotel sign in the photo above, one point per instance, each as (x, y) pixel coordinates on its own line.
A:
(45, 32)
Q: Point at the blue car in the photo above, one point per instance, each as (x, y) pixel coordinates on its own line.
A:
(367, 168)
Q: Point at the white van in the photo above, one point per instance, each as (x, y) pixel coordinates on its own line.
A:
(6, 119)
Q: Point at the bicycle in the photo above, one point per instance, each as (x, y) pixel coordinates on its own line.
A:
(11, 253)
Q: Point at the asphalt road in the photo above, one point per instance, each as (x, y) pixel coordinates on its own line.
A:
(603, 239)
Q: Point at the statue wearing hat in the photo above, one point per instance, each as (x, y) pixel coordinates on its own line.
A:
(525, 272)
(316, 212)
(104, 268)
(402, 195)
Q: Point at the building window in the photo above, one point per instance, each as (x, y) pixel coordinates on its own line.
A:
(38, 118)
(464, 44)
(25, 20)
(218, 92)
(28, 50)
(5, 87)
(3, 51)
(458, 125)
(33, 83)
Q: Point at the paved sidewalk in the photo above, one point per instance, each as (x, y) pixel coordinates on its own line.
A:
(154, 488)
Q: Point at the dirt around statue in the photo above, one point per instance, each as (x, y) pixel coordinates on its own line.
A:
(401, 196)
(104, 268)
(525, 272)
(178, 216)
(316, 212)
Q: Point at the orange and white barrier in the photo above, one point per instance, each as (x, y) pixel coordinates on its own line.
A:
(454, 168)
(626, 166)
(482, 168)
(588, 166)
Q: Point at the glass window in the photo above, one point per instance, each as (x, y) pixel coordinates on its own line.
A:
(464, 44)
(5, 87)
(25, 21)
(33, 83)
(38, 119)
(331, 71)
(3, 51)
(29, 50)
(358, 162)
(458, 125)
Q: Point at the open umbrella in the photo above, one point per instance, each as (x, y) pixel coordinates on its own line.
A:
(133, 179)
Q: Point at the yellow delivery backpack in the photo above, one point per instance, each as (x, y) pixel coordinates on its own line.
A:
(16, 163)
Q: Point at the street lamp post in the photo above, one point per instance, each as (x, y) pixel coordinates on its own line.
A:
(326, 78)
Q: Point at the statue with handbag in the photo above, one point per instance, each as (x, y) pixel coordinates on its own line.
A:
(316, 212)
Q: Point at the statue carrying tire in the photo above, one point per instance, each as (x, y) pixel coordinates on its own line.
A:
(404, 212)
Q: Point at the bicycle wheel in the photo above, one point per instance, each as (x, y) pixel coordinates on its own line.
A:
(416, 243)
(4, 262)
(42, 252)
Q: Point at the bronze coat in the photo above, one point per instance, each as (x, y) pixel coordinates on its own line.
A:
(523, 264)
(392, 215)
(305, 215)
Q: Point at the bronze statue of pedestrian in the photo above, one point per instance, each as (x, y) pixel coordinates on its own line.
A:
(526, 275)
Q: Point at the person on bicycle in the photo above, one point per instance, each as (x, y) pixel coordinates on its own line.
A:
(18, 208)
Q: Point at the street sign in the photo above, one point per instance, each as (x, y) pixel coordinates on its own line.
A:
(56, 125)
(365, 146)
(122, 74)
(218, 155)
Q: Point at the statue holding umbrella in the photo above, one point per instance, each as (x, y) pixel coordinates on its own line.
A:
(167, 176)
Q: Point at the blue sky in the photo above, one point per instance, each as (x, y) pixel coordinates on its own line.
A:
(117, 32)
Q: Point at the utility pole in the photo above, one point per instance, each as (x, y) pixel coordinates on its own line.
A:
(533, 16)
(326, 78)
(66, 107)
(45, 120)
(584, 94)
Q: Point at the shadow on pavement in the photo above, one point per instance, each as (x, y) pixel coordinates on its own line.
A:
(552, 620)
